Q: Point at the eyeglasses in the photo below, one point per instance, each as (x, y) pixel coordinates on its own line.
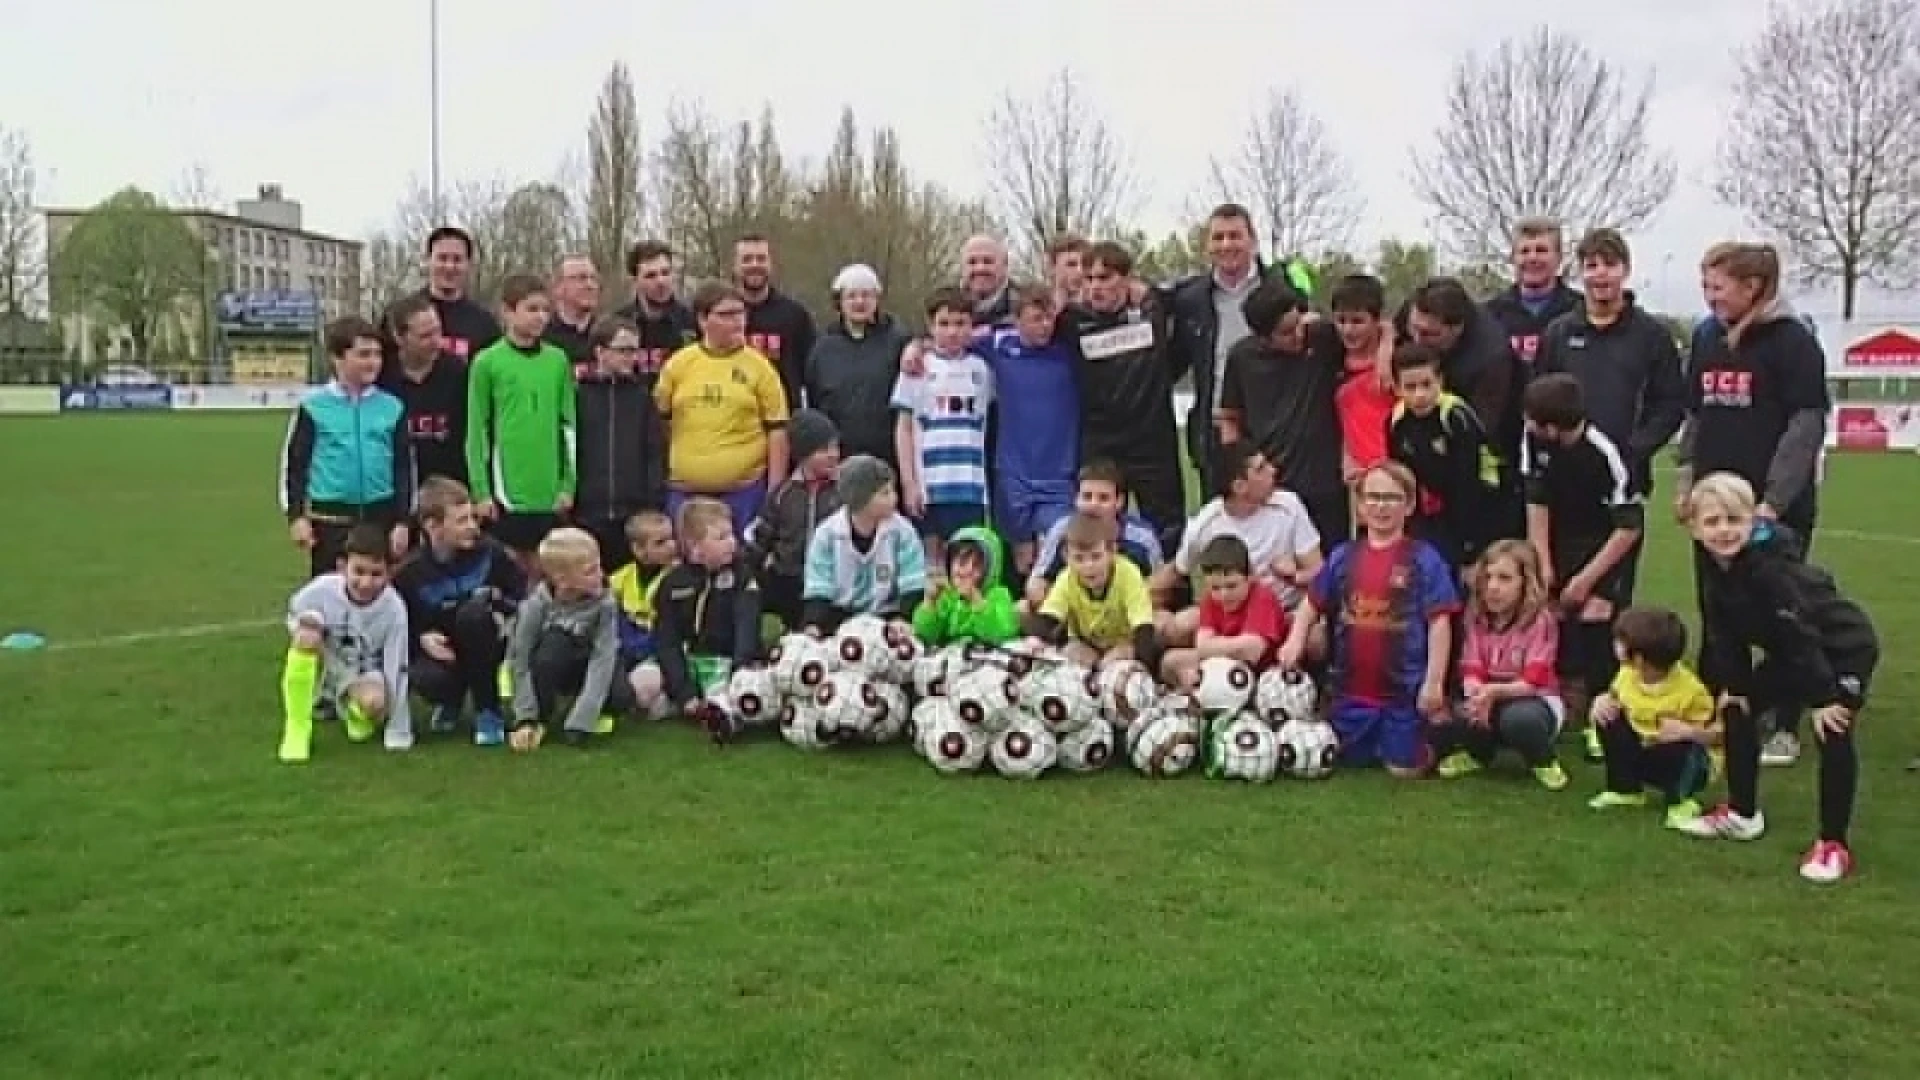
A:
(727, 313)
(623, 350)
(1383, 498)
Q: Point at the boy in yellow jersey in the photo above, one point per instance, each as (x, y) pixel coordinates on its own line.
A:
(1657, 723)
(1100, 608)
(650, 539)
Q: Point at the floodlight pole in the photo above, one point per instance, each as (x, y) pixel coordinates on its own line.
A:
(433, 67)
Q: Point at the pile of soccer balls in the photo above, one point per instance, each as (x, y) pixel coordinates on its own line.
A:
(1025, 712)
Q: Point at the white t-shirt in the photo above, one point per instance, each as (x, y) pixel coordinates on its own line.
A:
(1281, 527)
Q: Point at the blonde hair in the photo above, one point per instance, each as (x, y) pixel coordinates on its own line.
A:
(1730, 492)
(1394, 470)
(701, 517)
(567, 549)
(1755, 263)
(1533, 581)
(647, 523)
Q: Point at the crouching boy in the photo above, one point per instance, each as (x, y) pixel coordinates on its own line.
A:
(565, 641)
(349, 651)
(706, 618)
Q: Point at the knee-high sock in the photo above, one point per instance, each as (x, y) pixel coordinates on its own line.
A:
(297, 681)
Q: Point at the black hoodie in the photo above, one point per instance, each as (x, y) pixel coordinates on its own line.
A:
(661, 335)
(783, 331)
(1759, 409)
(851, 380)
(620, 447)
(1818, 647)
(1524, 325)
(1630, 376)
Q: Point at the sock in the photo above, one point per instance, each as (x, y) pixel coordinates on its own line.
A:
(297, 681)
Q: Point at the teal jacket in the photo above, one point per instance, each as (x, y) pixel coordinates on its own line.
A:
(945, 618)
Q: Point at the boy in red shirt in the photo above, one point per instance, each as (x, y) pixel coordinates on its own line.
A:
(1365, 399)
(1236, 619)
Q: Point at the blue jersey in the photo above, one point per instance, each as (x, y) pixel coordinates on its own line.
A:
(1037, 421)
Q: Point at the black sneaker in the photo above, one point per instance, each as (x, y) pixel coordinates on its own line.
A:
(579, 740)
(720, 725)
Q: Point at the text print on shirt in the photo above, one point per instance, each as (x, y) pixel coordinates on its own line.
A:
(1727, 388)
(1117, 341)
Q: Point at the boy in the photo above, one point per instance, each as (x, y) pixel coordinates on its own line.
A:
(1236, 619)
(1656, 719)
(458, 588)
(1439, 438)
(1099, 609)
(520, 423)
(707, 618)
(1365, 399)
(621, 457)
(941, 430)
(566, 641)
(1274, 525)
(347, 460)
(1036, 424)
(865, 559)
(349, 650)
(970, 605)
(777, 540)
(651, 553)
(1585, 514)
(1102, 493)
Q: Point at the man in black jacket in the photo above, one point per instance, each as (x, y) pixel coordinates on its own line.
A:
(465, 327)
(620, 445)
(1539, 294)
(1477, 364)
(777, 324)
(666, 325)
(1205, 321)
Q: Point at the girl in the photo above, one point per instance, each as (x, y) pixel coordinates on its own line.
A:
(1388, 600)
(1757, 408)
(1507, 670)
(1816, 647)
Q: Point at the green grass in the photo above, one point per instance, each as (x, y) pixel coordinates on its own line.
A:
(172, 902)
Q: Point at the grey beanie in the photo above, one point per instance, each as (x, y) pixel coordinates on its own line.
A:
(809, 431)
(861, 478)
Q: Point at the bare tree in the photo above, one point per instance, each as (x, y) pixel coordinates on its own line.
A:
(1822, 152)
(1542, 126)
(1294, 179)
(534, 230)
(23, 256)
(615, 158)
(713, 183)
(395, 253)
(1056, 166)
(197, 190)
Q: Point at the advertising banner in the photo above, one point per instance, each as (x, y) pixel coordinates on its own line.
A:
(239, 398)
(141, 397)
(1875, 427)
(29, 400)
(268, 311)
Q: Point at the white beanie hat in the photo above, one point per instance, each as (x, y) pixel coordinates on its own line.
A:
(856, 276)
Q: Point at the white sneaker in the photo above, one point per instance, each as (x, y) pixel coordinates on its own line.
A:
(398, 739)
(1826, 863)
(1781, 749)
(1721, 823)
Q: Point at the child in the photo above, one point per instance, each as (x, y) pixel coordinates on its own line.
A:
(865, 558)
(1656, 719)
(1099, 609)
(1036, 417)
(349, 650)
(1274, 525)
(777, 540)
(1439, 438)
(941, 433)
(520, 424)
(970, 605)
(347, 459)
(1389, 600)
(1365, 398)
(458, 587)
(636, 587)
(1585, 512)
(566, 641)
(707, 618)
(1236, 619)
(621, 456)
(1512, 695)
(1102, 493)
(1817, 648)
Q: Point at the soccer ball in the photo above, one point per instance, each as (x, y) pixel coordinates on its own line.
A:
(887, 708)
(755, 695)
(799, 664)
(984, 698)
(904, 650)
(845, 704)
(800, 725)
(948, 745)
(1089, 749)
(1024, 750)
(1243, 748)
(1125, 689)
(1019, 659)
(1281, 696)
(935, 671)
(1166, 740)
(1309, 749)
(1225, 686)
(1057, 696)
(861, 646)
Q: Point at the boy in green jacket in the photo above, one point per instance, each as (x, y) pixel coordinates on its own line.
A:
(970, 605)
(520, 424)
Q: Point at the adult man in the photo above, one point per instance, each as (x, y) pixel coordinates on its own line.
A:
(777, 324)
(431, 385)
(1478, 364)
(1206, 321)
(465, 326)
(983, 272)
(666, 325)
(576, 298)
(1067, 269)
(1539, 294)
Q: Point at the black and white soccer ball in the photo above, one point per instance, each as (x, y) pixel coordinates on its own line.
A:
(1165, 741)
(1225, 685)
(860, 646)
(755, 695)
(1024, 750)
(1243, 747)
(799, 663)
(1089, 749)
(985, 698)
(1059, 697)
(1309, 749)
(1280, 696)
(948, 745)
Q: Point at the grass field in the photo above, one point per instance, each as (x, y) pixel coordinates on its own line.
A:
(174, 903)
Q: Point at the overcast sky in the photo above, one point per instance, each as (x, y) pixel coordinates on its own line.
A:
(332, 99)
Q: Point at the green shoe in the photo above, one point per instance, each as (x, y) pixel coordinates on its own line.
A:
(604, 725)
(1458, 764)
(1680, 814)
(296, 740)
(360, 727)
(1608, 800)
(1551, 776)
(1595, 752)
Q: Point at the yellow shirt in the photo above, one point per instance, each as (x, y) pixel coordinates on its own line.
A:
(719, 410)
(1681, 695)
(1106, 620)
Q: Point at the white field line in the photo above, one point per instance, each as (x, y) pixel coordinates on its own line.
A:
(167, 633)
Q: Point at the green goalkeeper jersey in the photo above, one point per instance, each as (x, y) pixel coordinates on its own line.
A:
(520, 417)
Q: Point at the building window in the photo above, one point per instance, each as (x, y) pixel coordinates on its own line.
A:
(259, 278)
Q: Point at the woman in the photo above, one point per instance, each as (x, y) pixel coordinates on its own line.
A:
(726, 412)
(1757, 408)
(853, 366)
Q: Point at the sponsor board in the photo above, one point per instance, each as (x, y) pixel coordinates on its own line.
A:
(29, 400)
(239, 398)
(1875, 427)
(144, 397)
